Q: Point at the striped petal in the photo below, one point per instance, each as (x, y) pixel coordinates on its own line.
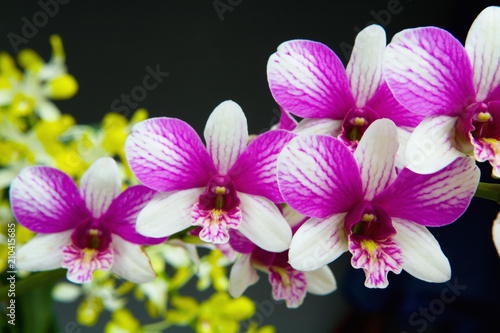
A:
(123, 212)
(422, 255)
(168, 213)
(100, 185)
(226, 134)
(365, 66)
(46, 200)
(318, 242)
(166, 154)
(43, 252)
(318, 176)
(308, 80)
(432, 200)
(430, 147)
(263, 223)
(131, 261)
(429, 71)
(375, 155)
(82, 263)
(255, 170)
(288, 284)
(483, 47)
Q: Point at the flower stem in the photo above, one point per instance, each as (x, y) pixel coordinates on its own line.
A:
(31, 282)
(488, 191)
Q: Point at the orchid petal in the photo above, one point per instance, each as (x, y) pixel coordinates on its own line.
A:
(483, 47)
(287, 121)
(321, 281)
(242, 276)
(263, 223)
(430, 147)
(131, 261)
(82, 263)
(226, 134)
(308, 79)
(288, 284)
(100, 185)
(318, 242)
(365, 66)
(375, 156)
(46, 200)
(323, 126)
(429, 71)
(255, 170)
(318, 176)
(166, 154)
(168, 213)
(422, 255)
(123, 212)
(432, 200)
(43, 252)
(496, 233)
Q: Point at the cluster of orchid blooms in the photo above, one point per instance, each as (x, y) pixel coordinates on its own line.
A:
(386, 148)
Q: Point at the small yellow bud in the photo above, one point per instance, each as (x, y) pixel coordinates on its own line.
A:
(62, 87)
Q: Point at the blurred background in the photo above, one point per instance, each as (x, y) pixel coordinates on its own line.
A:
(205, 52)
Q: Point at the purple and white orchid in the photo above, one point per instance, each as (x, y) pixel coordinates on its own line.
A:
(358, 202)
(308, 79)
(459, 88)
(287, 283)
(227, 185)
(82, 230)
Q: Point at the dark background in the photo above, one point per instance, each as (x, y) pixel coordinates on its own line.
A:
(212, 57)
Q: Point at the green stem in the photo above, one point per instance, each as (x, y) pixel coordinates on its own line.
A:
(33, 281)
(488, 191)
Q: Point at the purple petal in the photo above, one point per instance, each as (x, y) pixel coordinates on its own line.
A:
(318, 176)
(429, 71)
(166, 154)
(364, 69)
(46, 200)
(287, 121)
(308, 79)
(123, 212)
(82, 263)
(226, 134)
(288, 284)
(255, 170)
(318, 242)
(432, 200)
(483, 48)
(100, 185)
(375, 155)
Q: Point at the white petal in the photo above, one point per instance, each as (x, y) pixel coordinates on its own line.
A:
(168, 213)
(131, 261)
(483, 47)
(226, 134)
(100, 185)
(422, 255)
(375, 154)
(321, 281)
(263, 223)
(429, 148)
(43, 252)
(324, 126)
(403, 137)
(47, 110)
(496, 233)
(365, 66)
(242, 276)
(318, 242)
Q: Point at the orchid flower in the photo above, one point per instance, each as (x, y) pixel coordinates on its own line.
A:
(359, 203)
(227, 185)
(287, 283)
(82, 230)
(308, 80)
(429, 69)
